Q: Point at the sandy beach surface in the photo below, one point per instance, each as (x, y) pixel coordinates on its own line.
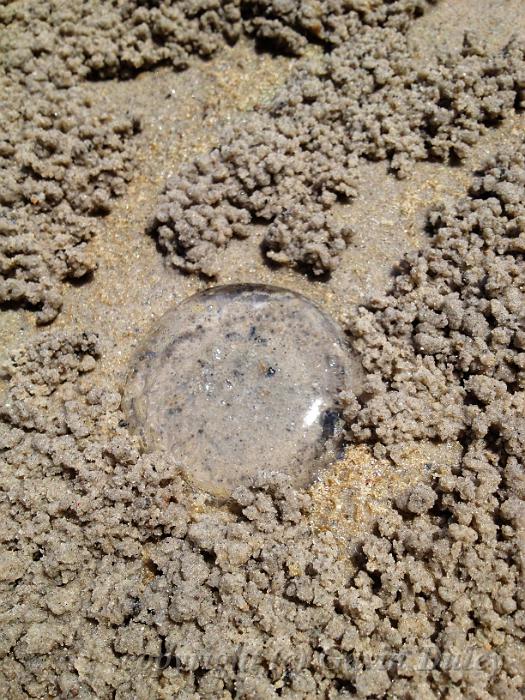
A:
(367, 155)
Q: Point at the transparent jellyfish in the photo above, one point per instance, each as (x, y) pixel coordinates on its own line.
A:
(240, 379)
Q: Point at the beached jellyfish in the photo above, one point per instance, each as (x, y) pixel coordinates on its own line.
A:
(239, 379)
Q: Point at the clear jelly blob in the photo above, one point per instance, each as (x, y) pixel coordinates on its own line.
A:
(240, 379)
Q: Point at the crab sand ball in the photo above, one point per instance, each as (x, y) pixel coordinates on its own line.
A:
(240, 379)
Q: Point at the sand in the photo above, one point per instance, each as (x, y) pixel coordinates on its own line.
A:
(399, 572)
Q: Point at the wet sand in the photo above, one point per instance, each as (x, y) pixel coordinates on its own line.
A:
(84, 452)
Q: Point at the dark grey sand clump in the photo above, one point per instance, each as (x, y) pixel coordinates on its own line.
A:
(117, 580)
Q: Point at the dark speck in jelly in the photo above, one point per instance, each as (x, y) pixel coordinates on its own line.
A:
(210, 360)
(330, 419)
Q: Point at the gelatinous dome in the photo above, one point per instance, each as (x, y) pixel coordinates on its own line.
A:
(239, 379)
